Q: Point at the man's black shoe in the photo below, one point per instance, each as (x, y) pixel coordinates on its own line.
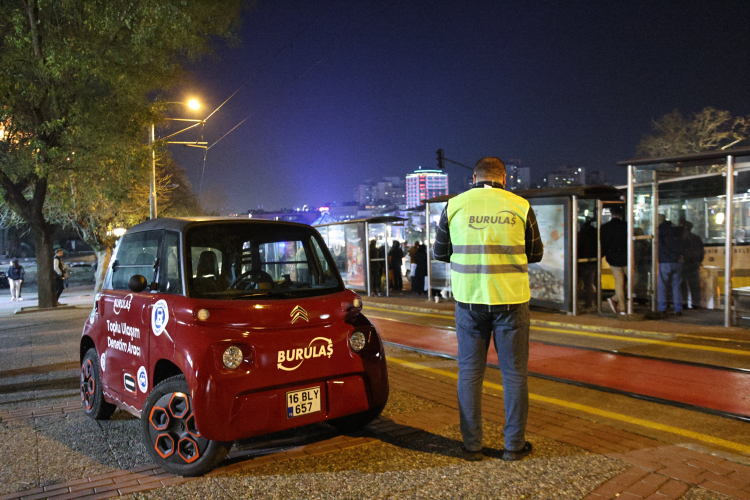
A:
(512, 456)
(471, 456)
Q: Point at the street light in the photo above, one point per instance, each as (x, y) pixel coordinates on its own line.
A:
(192, 104)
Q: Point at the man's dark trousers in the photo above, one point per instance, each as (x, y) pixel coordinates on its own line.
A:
(511, 333)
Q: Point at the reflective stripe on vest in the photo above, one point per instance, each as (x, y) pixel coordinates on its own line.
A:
(488, 236)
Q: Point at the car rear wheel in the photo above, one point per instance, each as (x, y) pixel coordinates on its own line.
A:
(92, 396)
(355, 422)
(170, 434)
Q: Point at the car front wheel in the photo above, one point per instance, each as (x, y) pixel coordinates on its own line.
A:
(170, 434)
(92, 396)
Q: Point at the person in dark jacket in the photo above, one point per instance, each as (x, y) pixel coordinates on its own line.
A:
(420, 259)
(395, 259)
(691, 268)
(376, 268)
(60, 272)
(587, 270)
(671, 248)
(614, 238)
(15, 276)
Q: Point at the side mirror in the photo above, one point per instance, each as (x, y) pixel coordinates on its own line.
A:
(137, 283)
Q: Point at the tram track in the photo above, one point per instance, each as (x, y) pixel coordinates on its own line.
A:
(601, 388)
(657, 379)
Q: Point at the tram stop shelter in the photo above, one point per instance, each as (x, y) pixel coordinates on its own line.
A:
(559, 212)
(360, 246)
(699, 188)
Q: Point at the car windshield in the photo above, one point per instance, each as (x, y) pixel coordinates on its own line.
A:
(258, 260)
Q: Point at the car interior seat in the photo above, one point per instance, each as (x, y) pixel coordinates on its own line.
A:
(206, 278)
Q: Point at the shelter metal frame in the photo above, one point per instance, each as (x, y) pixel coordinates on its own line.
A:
(673, 162)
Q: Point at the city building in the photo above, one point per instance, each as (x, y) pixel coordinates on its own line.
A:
(596, 178)
(517, 177)
(566, 176)
(388, 191)
(425, 184)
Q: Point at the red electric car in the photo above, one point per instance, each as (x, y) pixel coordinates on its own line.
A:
(213, 330)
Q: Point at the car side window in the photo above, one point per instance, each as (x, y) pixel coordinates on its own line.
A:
(137, 254)
(170, 279)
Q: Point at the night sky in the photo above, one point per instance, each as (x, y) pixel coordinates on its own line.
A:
(342, 91)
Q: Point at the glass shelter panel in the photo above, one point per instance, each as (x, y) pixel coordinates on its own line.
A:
(550, 279)
(440, 274)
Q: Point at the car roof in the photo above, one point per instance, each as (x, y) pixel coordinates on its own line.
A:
(183, 223)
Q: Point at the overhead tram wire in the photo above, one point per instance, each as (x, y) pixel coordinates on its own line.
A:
(295, 79)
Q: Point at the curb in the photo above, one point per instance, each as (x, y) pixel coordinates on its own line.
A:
(33, 309)
(534, 322)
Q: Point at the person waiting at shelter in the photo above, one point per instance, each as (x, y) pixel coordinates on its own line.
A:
(587, 251)
(376, 268)
(15, 276)
(671, 248)
(395, 259)
(614, 238)
(419, 263)
(693, 255)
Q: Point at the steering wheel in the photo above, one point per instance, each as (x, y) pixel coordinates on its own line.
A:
(252, 279)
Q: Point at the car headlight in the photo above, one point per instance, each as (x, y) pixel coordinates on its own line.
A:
(232, 357)
(357, 341)
(203, 314)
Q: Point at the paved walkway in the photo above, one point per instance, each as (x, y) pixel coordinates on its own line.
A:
(574, 458)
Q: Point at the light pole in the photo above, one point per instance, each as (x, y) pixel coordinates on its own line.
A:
(192, 104)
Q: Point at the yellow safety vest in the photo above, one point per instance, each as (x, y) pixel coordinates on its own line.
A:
(487, 231)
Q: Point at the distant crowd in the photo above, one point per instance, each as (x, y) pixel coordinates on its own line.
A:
(680, 257)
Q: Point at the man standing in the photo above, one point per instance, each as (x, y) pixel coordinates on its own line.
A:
(489, 236)
(15, 276)
(614, 238)
(670, 264)
(691, 268)
(59, 268)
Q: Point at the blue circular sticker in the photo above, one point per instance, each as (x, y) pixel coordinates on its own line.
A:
(159, 317)
(142, 379)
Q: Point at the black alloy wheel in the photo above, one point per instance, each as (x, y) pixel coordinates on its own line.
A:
(170, 434)
(92, 396)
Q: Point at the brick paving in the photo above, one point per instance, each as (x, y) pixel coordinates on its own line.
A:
(657, 470)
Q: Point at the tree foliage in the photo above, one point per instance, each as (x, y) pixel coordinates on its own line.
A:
(77, 78)
(707, 130)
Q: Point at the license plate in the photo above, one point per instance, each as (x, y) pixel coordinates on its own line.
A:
(302, 402)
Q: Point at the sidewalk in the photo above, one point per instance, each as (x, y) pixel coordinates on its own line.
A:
(76, 296)
(703, 322)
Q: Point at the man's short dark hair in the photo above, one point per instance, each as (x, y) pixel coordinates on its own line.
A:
(616, 210)
(489, 168)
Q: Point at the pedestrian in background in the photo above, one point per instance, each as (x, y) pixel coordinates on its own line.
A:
(693, 256)
(587, 251)
(376, 268)
(489, 236)
(420, 270)
(60, 273)
(671, 258)
(412, 264)
(614, 239)
(15, 276)
(395, 259)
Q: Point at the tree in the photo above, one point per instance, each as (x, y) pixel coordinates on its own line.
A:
(75, 78)
(97, 205)
(707, 130)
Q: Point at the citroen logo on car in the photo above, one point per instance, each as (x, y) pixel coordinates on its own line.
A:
(298, 313)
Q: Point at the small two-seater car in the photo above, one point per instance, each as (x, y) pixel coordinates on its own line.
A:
(214, 330)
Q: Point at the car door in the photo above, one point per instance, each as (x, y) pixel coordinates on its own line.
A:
(127, 316)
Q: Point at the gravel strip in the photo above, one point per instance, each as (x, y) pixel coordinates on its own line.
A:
(421, 465)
